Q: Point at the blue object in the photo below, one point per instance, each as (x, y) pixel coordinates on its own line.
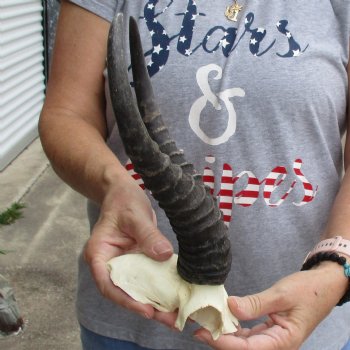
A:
(93, 341)
(347, 270)
(347, 346)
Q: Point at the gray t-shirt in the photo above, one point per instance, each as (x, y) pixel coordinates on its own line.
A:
(259, 107)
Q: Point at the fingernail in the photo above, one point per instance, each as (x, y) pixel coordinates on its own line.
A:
(161, 248)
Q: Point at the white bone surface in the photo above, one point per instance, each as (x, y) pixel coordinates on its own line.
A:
(159, 284)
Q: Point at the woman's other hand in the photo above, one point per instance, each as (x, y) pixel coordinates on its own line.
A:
(293, 307)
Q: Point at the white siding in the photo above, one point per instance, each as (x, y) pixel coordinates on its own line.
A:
(21, 75)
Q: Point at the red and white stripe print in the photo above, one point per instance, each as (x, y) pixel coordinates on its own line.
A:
(250, 194)
(310, 194)
(226, 194)
(130, 168)
(251, 191)
(208, 179)
(273, 180)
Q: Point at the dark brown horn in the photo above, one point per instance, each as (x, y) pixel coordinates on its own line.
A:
(146, 101)
(204, 247)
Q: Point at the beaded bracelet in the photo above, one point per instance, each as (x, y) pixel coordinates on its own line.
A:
(330, 256)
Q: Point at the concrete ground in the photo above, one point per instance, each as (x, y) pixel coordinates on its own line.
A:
(42, 263)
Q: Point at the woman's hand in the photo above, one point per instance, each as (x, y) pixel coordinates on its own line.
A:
(293, 307)
(126, 224)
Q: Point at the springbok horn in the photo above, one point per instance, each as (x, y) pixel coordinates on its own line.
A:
(204, 246)
(148, 107)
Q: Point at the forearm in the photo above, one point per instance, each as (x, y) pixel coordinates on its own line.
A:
(339, 219)
(335, 283)
(339, 225)
(72, 123)
(79, 154)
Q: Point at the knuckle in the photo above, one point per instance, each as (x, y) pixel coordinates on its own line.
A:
(150, 232)
(282, 295)
(137, 225)
(255, 303)
(128, 219)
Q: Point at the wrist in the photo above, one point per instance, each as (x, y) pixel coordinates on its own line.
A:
(114, 177)
(122, 191)
(334, 252)
(334, 275)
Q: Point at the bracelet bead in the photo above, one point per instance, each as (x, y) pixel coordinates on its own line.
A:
(330, 256)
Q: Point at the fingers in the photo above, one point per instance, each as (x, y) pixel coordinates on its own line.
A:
(110, 291)
(167, 318)
(257, 305)
(100, 274)
(149, 239)
(286, 325)
(225, 342)
(153, 243)
(126, 224)
(271, 339)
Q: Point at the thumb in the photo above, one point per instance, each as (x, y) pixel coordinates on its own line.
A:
(150, 240)
(257, 305)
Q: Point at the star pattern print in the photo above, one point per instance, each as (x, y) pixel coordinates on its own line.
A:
(248, 187)
(159, 54)
(186, 32)
(294, 47)
(159, 37)
(257, 36)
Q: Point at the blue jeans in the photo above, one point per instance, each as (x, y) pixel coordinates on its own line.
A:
(93, 341)
(347, 346)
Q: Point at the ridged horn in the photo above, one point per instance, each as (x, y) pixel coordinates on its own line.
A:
(204, 247)
(147, 105)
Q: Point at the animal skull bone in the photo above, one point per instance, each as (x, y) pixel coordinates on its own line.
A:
(158, 284)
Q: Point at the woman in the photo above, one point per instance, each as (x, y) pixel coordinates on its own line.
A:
(256, 94)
